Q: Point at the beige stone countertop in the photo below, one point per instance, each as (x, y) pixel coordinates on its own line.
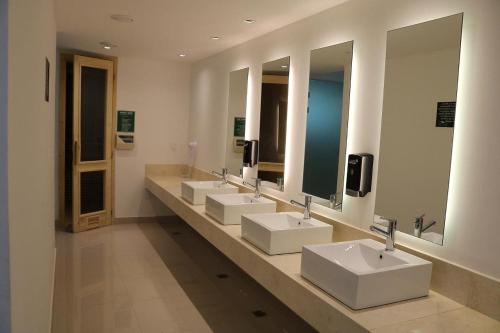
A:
(280, 274)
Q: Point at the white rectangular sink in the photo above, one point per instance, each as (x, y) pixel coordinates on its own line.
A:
(362, 274)
(196, 191)
(228, 208)
(278, 233)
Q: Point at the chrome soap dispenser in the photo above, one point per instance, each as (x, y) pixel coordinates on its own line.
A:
(359, 174)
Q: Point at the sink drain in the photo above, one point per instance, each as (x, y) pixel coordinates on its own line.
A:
(259, 313)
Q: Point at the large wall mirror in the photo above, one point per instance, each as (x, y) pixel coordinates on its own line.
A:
(235, 131)
(421, 77)
(273, 119)
(327, 118)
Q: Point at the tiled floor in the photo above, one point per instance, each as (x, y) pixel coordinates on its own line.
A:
(158, 277)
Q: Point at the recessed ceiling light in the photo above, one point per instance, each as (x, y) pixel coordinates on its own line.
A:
(249, 21)
(107, 45)
(182, 55)
(122, 18)
(284, 66)
(215, 37)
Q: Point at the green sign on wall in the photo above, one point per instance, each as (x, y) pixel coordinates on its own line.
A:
(239, 126)
(126, 121)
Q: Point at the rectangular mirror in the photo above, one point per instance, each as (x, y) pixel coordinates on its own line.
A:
(273, 118)
(235, 131)
(421, 77)
(327, 118)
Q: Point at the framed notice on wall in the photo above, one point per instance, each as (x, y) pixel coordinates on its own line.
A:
(126, 121)
(239, 127)
(445, 116)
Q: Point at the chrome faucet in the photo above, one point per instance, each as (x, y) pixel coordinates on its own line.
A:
(333, 201)
(222, 175)
(390, 234)
(280, 183)
(256, 186)
(306, 206)
(420, 226)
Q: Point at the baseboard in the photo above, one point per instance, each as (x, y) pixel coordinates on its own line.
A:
(51, 313)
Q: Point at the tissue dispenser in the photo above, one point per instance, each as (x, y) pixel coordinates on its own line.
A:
(359, 174)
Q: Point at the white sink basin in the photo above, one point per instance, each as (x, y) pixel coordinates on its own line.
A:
(362, 274)
(228, 208)
(196, 191)
(279, 233)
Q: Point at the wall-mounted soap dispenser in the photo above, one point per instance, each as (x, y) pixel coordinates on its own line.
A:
(359, 174)
(250, 153)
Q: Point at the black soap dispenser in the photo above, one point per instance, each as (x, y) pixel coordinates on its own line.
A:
(250, 153)
(359, 174)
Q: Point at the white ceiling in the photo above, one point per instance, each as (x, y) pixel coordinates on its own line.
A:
(162, 29)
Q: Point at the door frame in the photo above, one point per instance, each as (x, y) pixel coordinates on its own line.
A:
(65, 57)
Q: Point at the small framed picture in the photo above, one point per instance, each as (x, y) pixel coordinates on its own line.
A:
(47, 79)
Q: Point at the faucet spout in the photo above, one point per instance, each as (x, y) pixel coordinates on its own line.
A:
(306, 206)
(390, 234)
(222, 175)
(420, 226)
(429, 225)
(256, 186)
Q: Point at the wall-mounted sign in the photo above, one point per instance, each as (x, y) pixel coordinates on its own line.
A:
(126, 121)
(445, 116)
(239, 127)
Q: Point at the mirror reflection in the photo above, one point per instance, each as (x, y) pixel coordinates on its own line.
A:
(327, 118)
(235, 130)
(417, 126)
(273, 118)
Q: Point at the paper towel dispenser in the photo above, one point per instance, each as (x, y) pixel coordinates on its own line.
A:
(125, 141)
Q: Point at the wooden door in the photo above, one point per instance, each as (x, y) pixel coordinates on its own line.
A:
(92, 135)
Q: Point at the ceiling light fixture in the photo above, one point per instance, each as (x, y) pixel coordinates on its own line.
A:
(122, 18)
(284, 66)
(215, 37)
(249, 21)
(107, 45)
(182, 55)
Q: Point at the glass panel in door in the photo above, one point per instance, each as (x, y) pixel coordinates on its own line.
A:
(93, 114)
(92, 191)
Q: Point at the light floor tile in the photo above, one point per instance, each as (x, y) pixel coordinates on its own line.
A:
(157, 278)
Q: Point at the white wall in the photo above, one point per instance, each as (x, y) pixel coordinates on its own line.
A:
(4, 222)
(472, 228)
(159, 93)
(31, 158)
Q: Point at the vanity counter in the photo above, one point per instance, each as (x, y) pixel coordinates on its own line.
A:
(280, 275)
